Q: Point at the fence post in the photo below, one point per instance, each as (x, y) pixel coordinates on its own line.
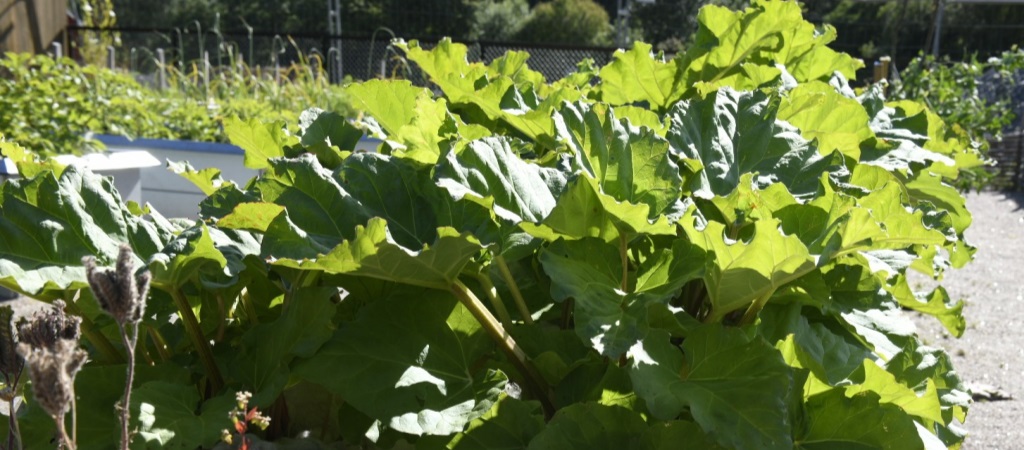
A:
(58, 50)
(206, 71)
(111, 60)
(1020, 160)
(161, 73)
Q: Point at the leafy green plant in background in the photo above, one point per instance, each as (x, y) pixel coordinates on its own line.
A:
(705, 252)
(53, 106)
(952, 90)
(978, 97)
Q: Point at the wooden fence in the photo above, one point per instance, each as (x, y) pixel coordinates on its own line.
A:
(31, 25)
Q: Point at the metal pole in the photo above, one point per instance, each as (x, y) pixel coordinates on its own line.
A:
(111, 61)
(620, 29)
(334, 29)
(938, 28)
(58, 50)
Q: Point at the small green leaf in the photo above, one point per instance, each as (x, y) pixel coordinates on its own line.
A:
(261, 141)
(207, 180)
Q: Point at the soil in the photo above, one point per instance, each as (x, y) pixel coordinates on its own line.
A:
(990, 355)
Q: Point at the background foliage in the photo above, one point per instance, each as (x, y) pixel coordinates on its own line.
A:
(52, 106)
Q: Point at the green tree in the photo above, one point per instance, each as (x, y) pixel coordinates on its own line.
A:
(669, 24)
(498, 20)
(581, 22)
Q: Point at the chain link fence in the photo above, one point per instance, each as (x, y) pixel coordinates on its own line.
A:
(357, 58)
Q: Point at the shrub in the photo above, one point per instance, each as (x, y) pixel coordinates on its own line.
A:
(709, 251)
(579, 22)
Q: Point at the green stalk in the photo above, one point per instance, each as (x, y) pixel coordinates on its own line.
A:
(14, 440)
(533, 380)
(492, 295)
(517, 296)
(751, 314)
(159, 342)
(250, 310)
(624, 257)
(195, 334)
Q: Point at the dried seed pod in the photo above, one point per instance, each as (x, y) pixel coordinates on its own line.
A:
(52, 371)
(45, 328)
(119, 292)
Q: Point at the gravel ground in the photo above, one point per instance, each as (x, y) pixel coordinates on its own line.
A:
(991, 351)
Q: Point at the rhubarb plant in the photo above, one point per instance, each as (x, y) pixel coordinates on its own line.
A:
(709, 251)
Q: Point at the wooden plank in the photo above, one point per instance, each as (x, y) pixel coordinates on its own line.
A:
(31, 25)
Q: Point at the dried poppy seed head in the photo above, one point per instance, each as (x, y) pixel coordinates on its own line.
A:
(118, 291)
(52, 371)
(46, 327)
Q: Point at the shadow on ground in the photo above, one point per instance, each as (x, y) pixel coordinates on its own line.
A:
(1016, 197)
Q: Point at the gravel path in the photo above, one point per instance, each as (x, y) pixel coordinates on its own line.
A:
(991, 351)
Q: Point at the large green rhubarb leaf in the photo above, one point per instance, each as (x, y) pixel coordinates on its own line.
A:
(635, 76)
(584, 211)
(837, 122)
(167, 417)
(315, 199)
(506, 98)
(836, 421)
(408, 360)
(591, 426)
(677, 435)
(731, 133)
(767, 33)
(262, 364)
(610, 314)
(372, 253)
(185, 257)
(745, 272)
(489, 172)
(735, 388)
(391, 189)
(412, 119)
(510, 425)
(631, 164)
(50, 222)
